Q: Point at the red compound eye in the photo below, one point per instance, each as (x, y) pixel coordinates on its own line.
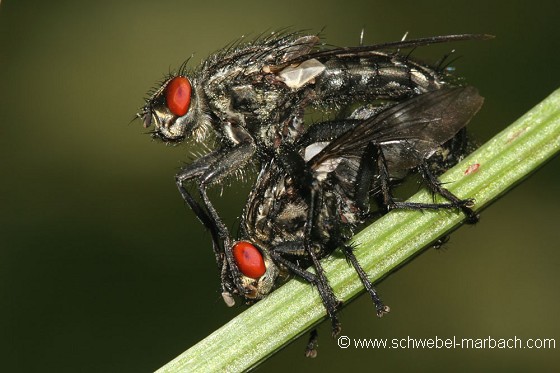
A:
(178, 95)
(249, 259)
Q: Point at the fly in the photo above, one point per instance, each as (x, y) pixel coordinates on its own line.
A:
(251, 97)
(285, 229)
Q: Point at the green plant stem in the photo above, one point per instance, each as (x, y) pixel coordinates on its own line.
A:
(386, 244)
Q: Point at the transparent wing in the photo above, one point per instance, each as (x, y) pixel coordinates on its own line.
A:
(364, 51)
(409, 131)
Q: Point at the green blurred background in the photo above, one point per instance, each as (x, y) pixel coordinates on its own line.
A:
(103, 268)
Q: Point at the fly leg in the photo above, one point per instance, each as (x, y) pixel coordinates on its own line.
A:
(205, 171)
(325, 291)
(294, 166)
(381, 309)
(435, 186)
(315, 195)
(202, 215)
(432, 183)
(311, 348)
(364, 180)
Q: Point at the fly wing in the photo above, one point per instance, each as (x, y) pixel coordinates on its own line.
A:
(364, 51)
(407, 132)
(302, 46)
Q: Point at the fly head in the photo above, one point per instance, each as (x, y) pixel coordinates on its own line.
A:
(174, 110)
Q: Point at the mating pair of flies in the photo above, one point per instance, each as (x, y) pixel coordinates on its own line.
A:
(388, 116)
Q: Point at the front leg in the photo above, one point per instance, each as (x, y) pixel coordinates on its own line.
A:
(193, 172)
(206, 171)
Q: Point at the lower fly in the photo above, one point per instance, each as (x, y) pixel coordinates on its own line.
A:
(288, 225)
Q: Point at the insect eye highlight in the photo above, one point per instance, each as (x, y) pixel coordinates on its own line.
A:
(178, 95)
